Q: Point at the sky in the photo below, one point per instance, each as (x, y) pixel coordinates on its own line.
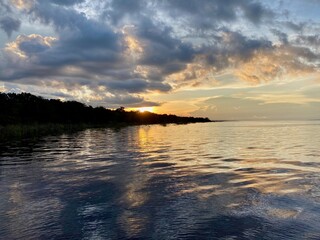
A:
(222, 59)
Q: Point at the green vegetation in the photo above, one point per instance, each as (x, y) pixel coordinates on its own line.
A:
(26, 115)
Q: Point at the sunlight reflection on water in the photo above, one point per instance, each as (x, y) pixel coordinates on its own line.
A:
(231, 180)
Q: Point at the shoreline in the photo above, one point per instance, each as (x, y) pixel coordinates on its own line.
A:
(35, 130)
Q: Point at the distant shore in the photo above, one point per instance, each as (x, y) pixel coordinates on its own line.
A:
(26, 131)
(25, 115)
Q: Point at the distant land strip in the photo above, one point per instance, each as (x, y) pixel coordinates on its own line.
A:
(25, 114)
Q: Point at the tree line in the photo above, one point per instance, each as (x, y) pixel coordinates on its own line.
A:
(25, 108)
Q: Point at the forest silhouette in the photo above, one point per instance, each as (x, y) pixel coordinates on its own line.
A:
(25, 108)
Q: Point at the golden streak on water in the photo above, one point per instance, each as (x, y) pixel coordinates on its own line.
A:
(172, 179)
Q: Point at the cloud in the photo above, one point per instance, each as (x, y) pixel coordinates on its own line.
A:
(116, 11)
(33, 44)
(137, 86)
(5, 7)
(298, 27)
(67, 2)
(238, 108)
(309, 40)
(79, 41)
(161, 47)
(21, 56)
(128, 101)
(283, 37)
(8, 22)
(9, 25)
(231, 51)
(207, 14)
(280, 62)
(127, 49)
(292, 98)
(20, 4)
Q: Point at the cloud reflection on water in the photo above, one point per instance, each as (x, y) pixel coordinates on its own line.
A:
(207, 180)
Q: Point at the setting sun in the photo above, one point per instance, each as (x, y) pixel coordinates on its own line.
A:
(145, 109)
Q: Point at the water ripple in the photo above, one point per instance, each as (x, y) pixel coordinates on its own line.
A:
(233, 180)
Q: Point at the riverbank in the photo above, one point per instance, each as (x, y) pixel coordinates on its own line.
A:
(25, 115)
(25, 131)
(21, 131)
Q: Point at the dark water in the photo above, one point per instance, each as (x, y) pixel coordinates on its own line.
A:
(240, 180)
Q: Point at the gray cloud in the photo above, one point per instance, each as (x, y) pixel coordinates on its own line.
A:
(90, 48)
(9, 25)
(295, 26)
(283, 37)
(8, 22)
(128, 101)
(122, 8)
(309, 40)
(206, 14)
(32, 46)
(236, 44)
(162, 50)
(5, 7)
(137, 86)
(67, 2)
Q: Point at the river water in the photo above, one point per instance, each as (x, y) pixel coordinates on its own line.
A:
(228, 180)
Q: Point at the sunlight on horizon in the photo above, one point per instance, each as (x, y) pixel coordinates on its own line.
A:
(145, 109)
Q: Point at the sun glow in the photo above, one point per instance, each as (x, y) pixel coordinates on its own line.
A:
(145, 109)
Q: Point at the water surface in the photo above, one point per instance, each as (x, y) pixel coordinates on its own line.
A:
(230, 180)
